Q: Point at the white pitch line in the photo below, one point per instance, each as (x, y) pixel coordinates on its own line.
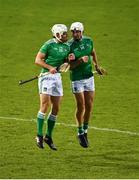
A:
(73, 125)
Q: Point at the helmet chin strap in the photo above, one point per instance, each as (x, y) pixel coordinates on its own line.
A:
(59, 39)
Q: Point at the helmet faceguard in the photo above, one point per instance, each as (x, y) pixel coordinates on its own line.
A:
(59, 29)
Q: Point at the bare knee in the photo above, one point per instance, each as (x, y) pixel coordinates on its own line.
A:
(44, 104)
(80, 102)
(55, 104)
(80, 107)
(44, 107)
(55, 109)
(89, 97)
(88, 106)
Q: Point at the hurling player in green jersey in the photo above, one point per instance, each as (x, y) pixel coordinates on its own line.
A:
(81, 58)
(51, 55)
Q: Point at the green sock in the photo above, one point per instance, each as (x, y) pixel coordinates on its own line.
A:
(80, 130)
(50, 124)
(85, 127)
(40, 122)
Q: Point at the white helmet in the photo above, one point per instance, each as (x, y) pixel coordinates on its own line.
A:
(77, 26)
(60, 29)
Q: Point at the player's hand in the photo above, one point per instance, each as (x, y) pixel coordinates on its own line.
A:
(52, 70)
(101, 71)
(71, 57)
(85, 59)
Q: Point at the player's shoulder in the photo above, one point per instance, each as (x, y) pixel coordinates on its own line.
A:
(50, 41)
(87, 38)
(46, 45)
(70, 42)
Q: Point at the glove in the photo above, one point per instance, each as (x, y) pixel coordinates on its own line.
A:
(101, 71)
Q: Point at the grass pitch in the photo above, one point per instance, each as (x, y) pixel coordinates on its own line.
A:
(25, 25)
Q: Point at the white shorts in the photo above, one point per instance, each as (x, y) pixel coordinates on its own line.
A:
(51, 84)
(83, 85)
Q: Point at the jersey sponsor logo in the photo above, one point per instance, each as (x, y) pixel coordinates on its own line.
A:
(82, 47)
(55, 48)
(61, 49)
(88, 45)
(65, 50)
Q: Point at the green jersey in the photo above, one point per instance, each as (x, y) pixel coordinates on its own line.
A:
(81, 48)
(55, 52)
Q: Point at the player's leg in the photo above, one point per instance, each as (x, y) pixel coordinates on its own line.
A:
(44, 104)
(55, 101)
(78, 90)
(56, 94)
(80, 104)
(79, 117)
(89, 92)
(43, 85)
(89, 97)
(51, 120)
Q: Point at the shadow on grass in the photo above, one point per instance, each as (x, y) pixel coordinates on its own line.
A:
(112, 159)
